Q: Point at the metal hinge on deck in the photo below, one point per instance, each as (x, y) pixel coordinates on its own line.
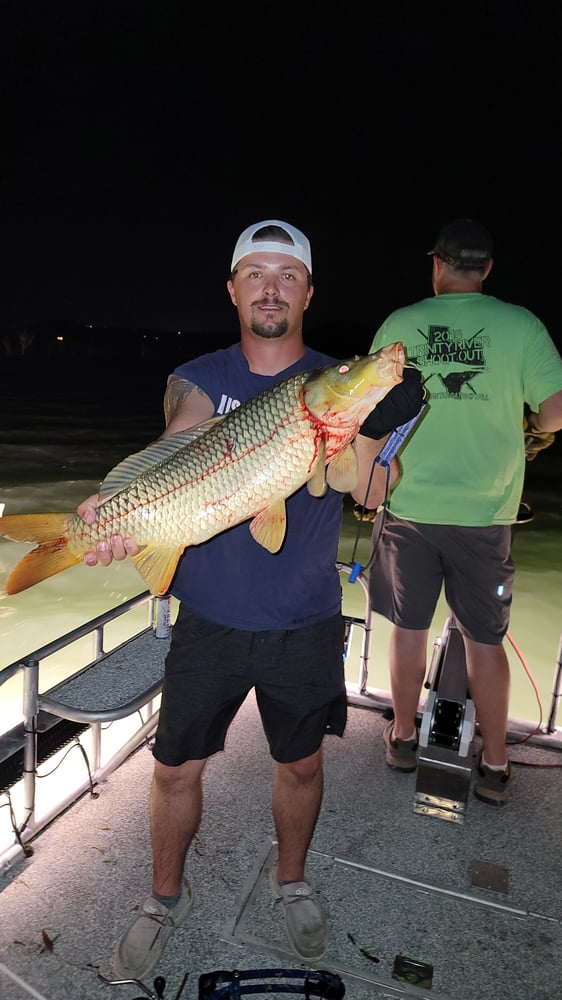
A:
(444, 770)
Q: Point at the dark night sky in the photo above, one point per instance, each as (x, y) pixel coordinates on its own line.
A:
(136, 147)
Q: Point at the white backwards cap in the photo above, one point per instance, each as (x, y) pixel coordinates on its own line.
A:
(249, 241)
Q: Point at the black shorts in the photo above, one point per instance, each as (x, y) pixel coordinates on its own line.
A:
(298, 676)
(473, 564)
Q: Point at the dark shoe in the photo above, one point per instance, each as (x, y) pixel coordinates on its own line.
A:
(492, 786)
(400, 754)
(305, 921)
(142, 944)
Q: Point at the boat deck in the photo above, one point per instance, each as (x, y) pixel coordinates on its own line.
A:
(475, 907)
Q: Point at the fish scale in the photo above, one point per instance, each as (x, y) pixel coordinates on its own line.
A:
(216, 480)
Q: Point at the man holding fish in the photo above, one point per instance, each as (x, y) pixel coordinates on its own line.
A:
(260, 602)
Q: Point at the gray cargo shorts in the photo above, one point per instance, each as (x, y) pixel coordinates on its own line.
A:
(413, 561)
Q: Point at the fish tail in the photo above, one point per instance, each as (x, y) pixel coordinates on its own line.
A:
(52, 554)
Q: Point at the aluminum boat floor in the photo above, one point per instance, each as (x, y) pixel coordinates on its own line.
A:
(478, 904)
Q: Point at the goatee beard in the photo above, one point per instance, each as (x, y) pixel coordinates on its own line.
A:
(270, 329)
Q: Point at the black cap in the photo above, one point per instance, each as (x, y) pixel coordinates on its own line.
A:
(464, 244)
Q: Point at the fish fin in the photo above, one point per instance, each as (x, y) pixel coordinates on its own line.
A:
(52, 554)
(316, 484)
(342, 471)
(269, 526)
(157, 564)
(135, 465)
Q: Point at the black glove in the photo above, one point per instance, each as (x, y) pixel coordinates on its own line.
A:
(535, 440)
(399, 405)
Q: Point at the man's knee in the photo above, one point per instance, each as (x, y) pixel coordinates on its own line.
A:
(185, 775)
(306, 769)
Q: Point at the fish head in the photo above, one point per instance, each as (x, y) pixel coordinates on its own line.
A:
(342, 396)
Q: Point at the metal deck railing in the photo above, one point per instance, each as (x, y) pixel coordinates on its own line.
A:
(79, 710)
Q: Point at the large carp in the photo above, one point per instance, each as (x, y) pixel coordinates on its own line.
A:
(185, 488)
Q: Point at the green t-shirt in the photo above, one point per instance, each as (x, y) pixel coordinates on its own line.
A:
(481, 360)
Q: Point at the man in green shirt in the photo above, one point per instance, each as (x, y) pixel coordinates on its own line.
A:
(450, 517)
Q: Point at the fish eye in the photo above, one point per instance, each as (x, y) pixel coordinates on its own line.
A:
(343, 369)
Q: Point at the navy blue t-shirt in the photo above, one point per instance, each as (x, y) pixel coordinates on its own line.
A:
(231, 579)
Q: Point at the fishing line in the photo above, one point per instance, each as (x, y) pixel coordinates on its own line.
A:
(384, 458)
(379, 517)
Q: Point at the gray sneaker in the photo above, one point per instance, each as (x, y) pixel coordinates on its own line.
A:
(305, 921)
(492, 786)
(144, 941)
(400, 754)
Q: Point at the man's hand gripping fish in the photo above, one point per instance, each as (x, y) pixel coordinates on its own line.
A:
(190, 486)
